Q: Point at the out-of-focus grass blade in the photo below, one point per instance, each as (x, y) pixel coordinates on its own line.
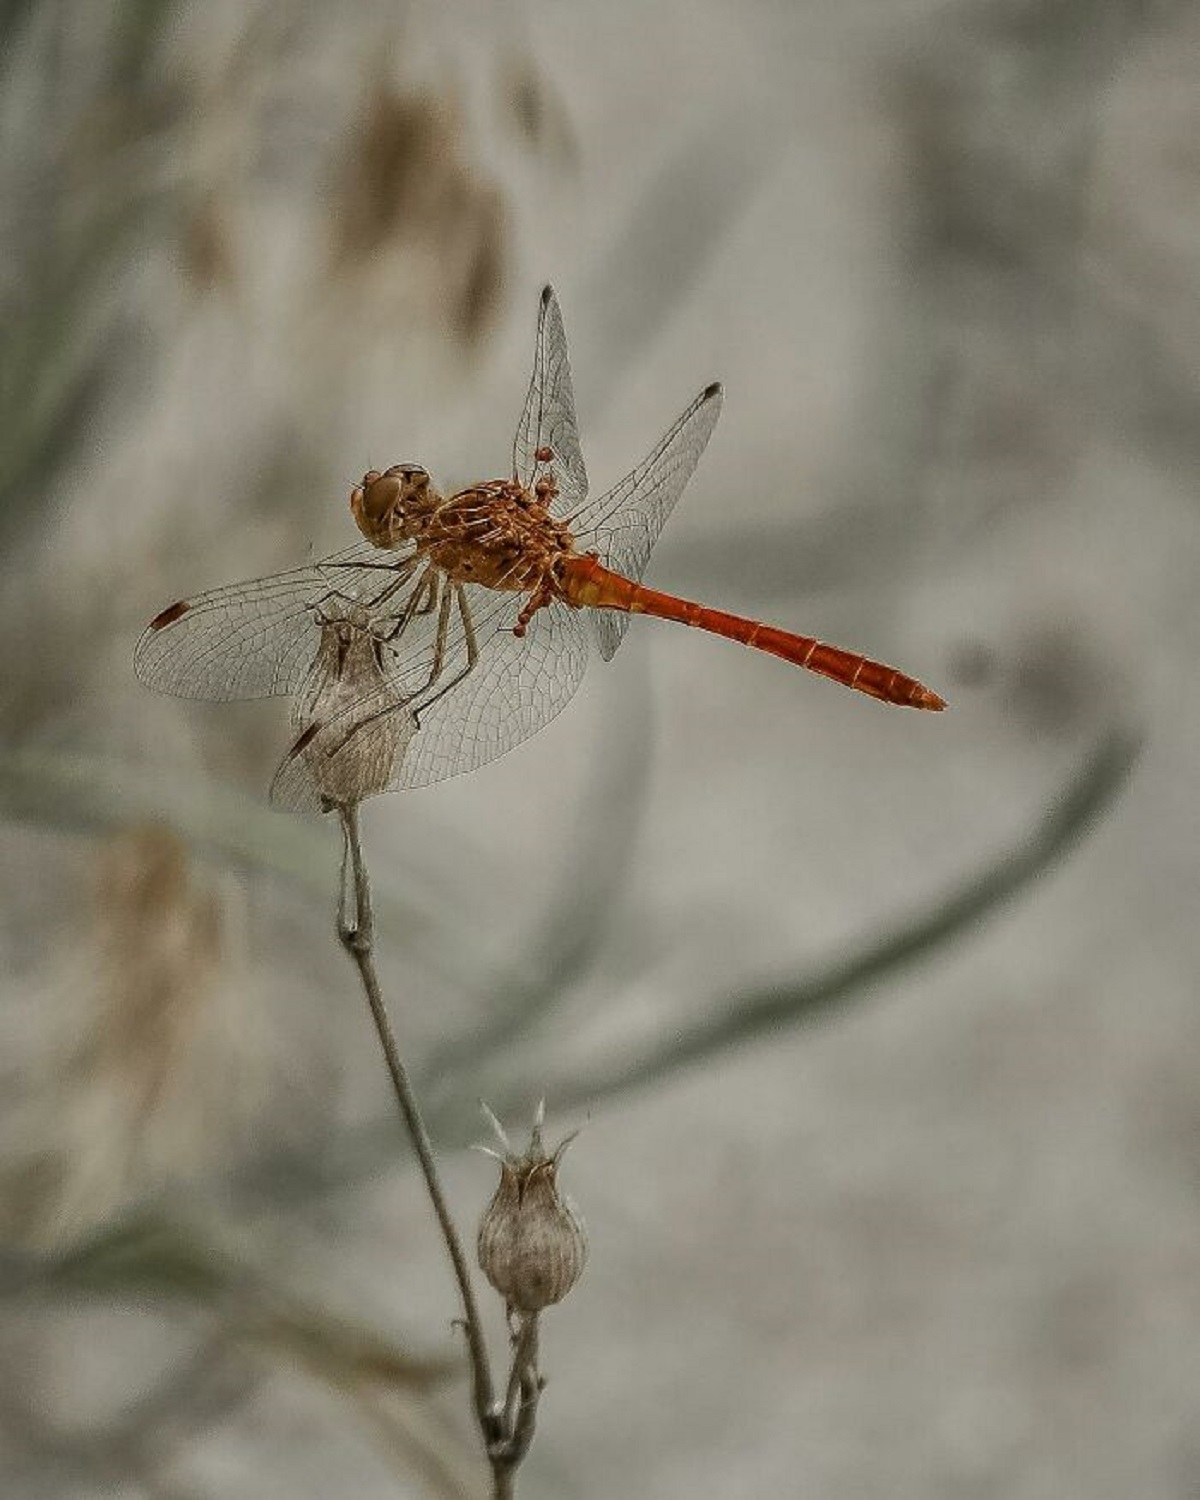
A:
(780, 561)
(139, 27)
(1091, 792)
(149, 1255)
(12, 18)
(157, 1257)
(387, 1388)
(54, 360)
(62, 337)
(43, 428)
(87, 793)
(323, 1341)
(413, 1434)
(572, 929)
(386, 1384)
(684, 214)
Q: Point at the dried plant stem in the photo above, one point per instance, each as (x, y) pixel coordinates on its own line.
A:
(356, 930)
(520, 1406)
(507, 1430)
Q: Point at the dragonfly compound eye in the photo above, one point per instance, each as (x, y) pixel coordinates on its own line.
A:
(381, 495)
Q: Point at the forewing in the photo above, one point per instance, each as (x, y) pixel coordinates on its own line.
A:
(259, 638)
(548, 420)
(624, 524)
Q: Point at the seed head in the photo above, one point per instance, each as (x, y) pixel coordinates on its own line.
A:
(354, 722)
(532, 1242)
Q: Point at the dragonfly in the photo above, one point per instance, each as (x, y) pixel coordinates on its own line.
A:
(458, 626)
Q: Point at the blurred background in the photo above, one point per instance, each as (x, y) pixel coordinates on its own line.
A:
(881, 1027)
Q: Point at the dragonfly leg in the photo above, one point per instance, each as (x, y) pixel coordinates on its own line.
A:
(469, 640)
(439, 650)
(448, 600)
(404, 571)
(432, 587)
(426, 607)
(398, 576)
(541, 596)
(420, 602)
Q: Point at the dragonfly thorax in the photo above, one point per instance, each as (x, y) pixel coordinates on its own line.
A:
(497, 534)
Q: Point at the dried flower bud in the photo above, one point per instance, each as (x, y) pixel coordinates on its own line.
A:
(532, 1243)
(355, 723)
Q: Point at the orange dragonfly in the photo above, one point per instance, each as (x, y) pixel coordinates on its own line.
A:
(465, 613)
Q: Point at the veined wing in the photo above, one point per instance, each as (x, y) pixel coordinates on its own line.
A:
(548, 420)
(258, 638)
(513, 689)
(624, 524)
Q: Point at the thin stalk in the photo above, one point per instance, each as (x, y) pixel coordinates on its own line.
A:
(356, 930)
(525, 1387)
(520, 1409)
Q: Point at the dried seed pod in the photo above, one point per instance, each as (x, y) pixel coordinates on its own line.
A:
(532, 1242)
(354, 721)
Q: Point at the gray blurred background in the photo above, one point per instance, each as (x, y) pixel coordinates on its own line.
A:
(881, 1027)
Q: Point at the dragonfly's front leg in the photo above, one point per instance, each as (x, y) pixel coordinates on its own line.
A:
(426, 607)
(439, 656)
(398, 576)
(429, 591)
(420, 602)
(404, 571)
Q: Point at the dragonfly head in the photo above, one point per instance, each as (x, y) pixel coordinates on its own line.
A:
(389, 507)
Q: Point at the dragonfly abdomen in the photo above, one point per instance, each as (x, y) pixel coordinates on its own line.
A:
(586, 581)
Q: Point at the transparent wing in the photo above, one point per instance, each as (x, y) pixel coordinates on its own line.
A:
(514, 688)
(548, 420)
(624, 524)
(259, 638)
